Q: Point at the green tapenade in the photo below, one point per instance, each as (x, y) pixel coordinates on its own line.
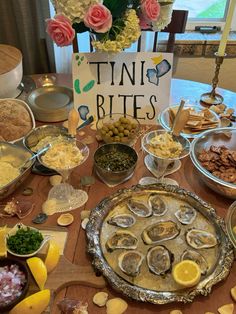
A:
(25, 241)
(116, 161)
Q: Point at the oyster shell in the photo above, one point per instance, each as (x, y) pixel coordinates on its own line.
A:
(140, 209)
(122, 240)
(196, 257)
(122, 220)
(200, 239)
(159, 259)
(186, 214)
(160, 231)
(130, 262)
(157, 205)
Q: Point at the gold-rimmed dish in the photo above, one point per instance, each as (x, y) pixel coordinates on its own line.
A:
(146, 286)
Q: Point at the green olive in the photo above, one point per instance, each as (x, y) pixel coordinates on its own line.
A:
(121, 134)
(115, 131)
(134, 125)
(117, 139)
(116, 124)
(110, 133)
(121, 128)
(126, 132)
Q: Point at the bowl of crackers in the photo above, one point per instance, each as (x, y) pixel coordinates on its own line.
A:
(214, 156)
(200, 120)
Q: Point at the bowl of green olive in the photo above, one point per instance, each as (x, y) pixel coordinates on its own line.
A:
(115, 163)
(118, 128)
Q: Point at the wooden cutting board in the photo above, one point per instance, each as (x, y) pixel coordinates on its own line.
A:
(66, 273)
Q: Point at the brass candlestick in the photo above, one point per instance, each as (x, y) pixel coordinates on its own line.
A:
(212, 98)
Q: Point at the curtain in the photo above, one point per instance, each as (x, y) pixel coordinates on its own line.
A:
(22, 25)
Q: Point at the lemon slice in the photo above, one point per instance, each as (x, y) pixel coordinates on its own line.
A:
(186, 273)
(53, 256)
(34, 304)
(3, 244)
(38, 270)
(233, 293)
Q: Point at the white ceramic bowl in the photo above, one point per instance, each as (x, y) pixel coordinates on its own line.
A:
(21, 226)
(164, 119)
(10, 80)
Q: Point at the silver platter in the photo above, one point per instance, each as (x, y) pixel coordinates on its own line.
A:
(51, 103)
(98, 231)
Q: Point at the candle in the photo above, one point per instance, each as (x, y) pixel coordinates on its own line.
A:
(225, 34)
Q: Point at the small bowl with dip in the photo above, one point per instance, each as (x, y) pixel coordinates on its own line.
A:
(164, 149)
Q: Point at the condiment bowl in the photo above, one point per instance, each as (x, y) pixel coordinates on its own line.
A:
(162, 163)
(165, 121)
(15, 155)
(24, 288)
(103, 167)
(217, 137)
(14, 230)
(118, 128)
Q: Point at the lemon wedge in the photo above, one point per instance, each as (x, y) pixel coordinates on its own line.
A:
(38, 270)
(53, 256)
(3, 244)
(233, 293)
(226, 309)
(187, 273)
(34, 304)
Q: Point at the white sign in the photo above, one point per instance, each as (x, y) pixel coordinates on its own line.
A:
(129, 83)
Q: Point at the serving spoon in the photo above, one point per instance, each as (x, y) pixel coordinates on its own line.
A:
(39, 152)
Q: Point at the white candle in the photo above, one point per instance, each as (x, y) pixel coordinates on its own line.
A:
(225, 34)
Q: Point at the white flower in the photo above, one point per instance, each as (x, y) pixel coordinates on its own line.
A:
(73, 9)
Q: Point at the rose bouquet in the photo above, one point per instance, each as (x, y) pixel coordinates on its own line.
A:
(116, 24)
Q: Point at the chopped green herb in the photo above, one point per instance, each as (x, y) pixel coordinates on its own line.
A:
(25, 241)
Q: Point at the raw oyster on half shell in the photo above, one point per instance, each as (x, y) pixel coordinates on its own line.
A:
(200, 239)
(157, 205)
(160, 231)
(159, 259)
(130, 262)
(139, 208)
(196, 257)
(186, 214)
(122, 240)
(122, 220)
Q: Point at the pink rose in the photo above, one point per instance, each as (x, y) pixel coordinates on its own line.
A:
(60, 30)
(98, 18)
(150, 9)
(144, 23)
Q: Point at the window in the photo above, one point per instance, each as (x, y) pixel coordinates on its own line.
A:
(205, 12)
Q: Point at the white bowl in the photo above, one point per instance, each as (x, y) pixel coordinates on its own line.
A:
(11, 78)
(164, 119)
(13, 232)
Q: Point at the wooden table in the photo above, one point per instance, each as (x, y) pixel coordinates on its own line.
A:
(75, 249)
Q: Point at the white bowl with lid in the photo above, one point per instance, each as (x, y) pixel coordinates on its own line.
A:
(11, 71)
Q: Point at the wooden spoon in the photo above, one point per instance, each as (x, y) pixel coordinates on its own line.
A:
(73, 120)
(180, 120)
